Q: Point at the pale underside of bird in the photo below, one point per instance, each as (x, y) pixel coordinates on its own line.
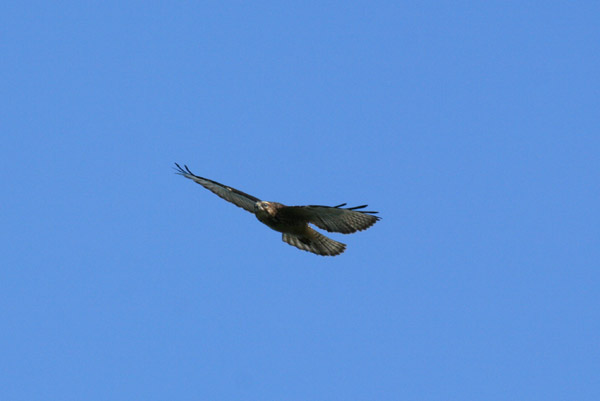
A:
(293, 221)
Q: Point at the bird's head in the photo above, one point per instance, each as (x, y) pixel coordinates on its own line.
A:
(264, 207)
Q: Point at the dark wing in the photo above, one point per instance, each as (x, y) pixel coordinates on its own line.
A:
(232, 195)
(333, 218)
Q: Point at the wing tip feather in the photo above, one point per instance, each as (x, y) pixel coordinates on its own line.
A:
(185, 170)
(355, 208)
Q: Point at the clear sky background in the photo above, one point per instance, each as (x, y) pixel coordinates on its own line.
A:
(473, 128)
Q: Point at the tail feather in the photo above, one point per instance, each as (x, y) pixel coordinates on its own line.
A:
(315, 242)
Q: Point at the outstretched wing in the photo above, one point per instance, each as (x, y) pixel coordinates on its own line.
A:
(333, 218)
(232, 195)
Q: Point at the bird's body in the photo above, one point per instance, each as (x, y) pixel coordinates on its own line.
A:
(269, 214)
(293, 221)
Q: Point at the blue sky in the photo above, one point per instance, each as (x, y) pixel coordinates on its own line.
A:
(472, 128)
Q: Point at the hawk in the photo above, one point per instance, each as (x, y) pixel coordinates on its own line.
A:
(293, 221)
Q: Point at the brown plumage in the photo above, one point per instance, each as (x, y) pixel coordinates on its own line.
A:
(293, 221)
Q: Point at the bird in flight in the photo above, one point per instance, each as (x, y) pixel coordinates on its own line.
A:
(293, 221)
